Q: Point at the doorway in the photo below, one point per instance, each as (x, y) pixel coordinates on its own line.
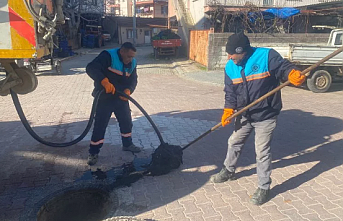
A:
(147, 36)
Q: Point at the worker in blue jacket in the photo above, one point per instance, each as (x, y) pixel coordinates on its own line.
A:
(249, 74)
(112, 70)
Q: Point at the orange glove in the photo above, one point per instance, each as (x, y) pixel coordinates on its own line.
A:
(109, 88)
(127, 92)
(227, 113)
(296, 78)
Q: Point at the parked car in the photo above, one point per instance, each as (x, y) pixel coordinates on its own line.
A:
(305, 55)
(106, 35)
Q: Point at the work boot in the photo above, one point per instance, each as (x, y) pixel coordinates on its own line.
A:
(133, 148)
(260, 196)
(92, 159)
(222, 176)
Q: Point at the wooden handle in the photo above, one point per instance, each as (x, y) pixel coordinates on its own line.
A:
(305, 72)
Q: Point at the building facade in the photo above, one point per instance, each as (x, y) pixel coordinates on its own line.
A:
(144, 8)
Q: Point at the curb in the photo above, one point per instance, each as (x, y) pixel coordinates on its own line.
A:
(177, 70)
(79, 54)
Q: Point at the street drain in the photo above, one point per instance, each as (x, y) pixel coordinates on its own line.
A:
(89, 204)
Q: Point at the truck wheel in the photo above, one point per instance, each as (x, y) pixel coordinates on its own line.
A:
(58, 67)
(155, 53)
(320, 81)
(176, 52)
(29, 79)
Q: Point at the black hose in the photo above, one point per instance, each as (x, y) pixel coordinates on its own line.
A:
(145, 114)
(51, 144)
(89, 124)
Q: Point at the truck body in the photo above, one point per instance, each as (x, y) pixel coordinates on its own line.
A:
(166, 43)
(166, 47)
(304, 56)
(26, 29)
(19, 38)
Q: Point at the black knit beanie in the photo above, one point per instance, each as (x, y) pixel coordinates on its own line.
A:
(237, 43)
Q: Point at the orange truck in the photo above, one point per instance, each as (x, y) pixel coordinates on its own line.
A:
(166, 47)
(26, 29)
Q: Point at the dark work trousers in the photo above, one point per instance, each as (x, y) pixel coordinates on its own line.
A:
(263, 136)
(104, 110)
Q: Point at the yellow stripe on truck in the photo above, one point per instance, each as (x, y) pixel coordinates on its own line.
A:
(19, 42)
(19, 7)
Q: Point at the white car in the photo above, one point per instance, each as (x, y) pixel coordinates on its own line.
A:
(106, 36)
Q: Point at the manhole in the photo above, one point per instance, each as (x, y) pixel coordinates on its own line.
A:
(90, 204)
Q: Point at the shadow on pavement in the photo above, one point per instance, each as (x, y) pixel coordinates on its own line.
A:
(336, 86)
(300, 137)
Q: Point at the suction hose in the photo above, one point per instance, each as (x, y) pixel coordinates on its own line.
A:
(89, 124)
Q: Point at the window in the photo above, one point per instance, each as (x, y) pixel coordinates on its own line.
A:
(94, 2)
(338, 40)
(164, 9)
(268, 2)
(129, 34)
(111, 2)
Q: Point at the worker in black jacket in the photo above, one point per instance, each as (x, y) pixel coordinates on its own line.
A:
(249, 74)
(112, 70)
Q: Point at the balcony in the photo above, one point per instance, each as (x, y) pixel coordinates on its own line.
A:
(114, 6)
(266, 3)
(145, 2)
(145, 13)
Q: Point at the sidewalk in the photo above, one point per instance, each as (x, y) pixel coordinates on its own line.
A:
(191, 70)
(307, 150)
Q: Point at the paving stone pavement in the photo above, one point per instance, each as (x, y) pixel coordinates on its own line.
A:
(307, 148)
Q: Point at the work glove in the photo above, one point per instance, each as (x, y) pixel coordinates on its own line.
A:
(296, 78)
(109, 88)
(127, 92)
(227, 113)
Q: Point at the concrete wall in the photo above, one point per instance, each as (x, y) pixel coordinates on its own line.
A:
(196, 8)
(126, 8)
(217, 57)
(171, 9)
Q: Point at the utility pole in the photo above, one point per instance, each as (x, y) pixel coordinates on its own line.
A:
(134, 23)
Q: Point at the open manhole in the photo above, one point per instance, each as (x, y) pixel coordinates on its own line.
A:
(90, 204)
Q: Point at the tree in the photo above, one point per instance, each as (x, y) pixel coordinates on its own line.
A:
(249, 18)
(72, 11)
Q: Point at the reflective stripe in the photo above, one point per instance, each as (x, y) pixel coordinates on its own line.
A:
(23, 28)
(127, 74)
(251, 77)
(237, 81)
(258, 76)
(98, 142)
(126, 135)
(115, 71)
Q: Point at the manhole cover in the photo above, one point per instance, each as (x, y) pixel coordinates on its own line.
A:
(78, 205)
